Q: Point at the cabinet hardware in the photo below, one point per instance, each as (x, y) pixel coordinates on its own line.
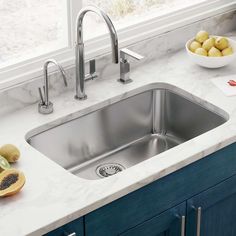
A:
(68, 234)
(183, 226)
(199, 214)
(183, 221)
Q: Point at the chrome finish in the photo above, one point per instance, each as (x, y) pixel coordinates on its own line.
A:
(79, 49)
(45, 109)
(45, 106)
(72, 234)
(92, 67)
(199, 214)
(124, 52)
(127, 132)
(183, 220)
(125, 65)
(109, 169)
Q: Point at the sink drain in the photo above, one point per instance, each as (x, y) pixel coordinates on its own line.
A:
(108, 169)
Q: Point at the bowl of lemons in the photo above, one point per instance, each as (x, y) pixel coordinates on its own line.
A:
(211, 51)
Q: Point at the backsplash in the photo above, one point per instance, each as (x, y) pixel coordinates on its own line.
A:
(27, 94)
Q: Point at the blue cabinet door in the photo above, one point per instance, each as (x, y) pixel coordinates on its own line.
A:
(213, 212)
(75, 228)
(145, 203)
(170, 222)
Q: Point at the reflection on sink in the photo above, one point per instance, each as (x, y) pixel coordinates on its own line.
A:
(125, 133)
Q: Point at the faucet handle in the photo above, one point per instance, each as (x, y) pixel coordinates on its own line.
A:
(124, 52)
(125, 65)
(92, 70)
(92, 66)
(41, 96)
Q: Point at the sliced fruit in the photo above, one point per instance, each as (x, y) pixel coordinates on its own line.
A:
(202, 36)
(11, 182)
(232, 82)
(4, 165)
(10, 152)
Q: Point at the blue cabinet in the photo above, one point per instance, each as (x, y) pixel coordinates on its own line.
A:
(161, 195)
(204, 192)
(74, 228)
(213, 212)
(170, 222)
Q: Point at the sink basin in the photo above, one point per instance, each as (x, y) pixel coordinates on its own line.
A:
(125, 133)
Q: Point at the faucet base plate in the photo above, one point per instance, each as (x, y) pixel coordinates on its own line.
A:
(125, 81)
(45, 109)
(81, 98)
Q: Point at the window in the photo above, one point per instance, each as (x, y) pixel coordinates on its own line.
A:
(128, 12)
(33, 30)
(30, 28)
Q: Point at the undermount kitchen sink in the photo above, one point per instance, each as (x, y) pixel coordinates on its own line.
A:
(125, 133)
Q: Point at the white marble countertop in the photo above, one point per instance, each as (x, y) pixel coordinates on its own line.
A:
(53, 197)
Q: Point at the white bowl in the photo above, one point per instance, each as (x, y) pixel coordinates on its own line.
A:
(211, 62)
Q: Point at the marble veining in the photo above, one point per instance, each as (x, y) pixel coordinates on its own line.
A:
(26, 94)
(52, 196)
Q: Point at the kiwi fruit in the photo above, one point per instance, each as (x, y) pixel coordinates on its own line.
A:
(4, 164)
(10, 152)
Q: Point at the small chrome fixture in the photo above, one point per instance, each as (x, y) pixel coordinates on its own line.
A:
(45, 106)
(79, 49)
(125, 65)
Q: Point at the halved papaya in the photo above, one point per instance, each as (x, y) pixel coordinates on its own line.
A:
(11, 182)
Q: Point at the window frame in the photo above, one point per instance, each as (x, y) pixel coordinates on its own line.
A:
(32, 69)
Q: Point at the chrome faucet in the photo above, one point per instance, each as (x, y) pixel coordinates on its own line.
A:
(45, 106)
(79, 49)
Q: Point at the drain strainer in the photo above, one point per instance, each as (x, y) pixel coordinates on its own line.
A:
(108, 169)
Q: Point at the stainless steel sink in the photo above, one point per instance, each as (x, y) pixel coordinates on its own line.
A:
(118, 136)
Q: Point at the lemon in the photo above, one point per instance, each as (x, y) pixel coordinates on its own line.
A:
(202, 36)
(221, 43)
(201, 52)
(214, 52)
(227, 51)
(194, 45)
(208, 44)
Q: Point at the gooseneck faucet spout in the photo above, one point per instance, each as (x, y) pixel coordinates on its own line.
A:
(45, 106)
(79, 49)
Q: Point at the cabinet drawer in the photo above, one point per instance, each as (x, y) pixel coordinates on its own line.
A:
(76, 226)
(163, 194)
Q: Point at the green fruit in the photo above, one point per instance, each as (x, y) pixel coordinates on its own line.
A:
(227, 51)
(201, 52)
(4, 165)
(194, 45)
(202, 36)
(221, 43)
(214, 52)
(208, 44)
